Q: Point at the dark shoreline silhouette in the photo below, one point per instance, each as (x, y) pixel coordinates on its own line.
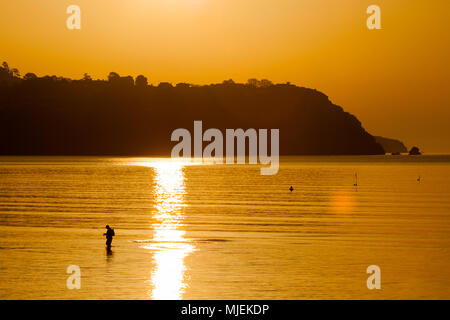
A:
(392, 146)
(124, 116)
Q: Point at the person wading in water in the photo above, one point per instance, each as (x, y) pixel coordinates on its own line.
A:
(109, 236)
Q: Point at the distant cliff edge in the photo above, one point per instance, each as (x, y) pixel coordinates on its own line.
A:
(124, 116)
(391, 145)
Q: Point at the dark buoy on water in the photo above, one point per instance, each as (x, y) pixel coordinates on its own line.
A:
(356, 180)
(291, 189)
(418, 179)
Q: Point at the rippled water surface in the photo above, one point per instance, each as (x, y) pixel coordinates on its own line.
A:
(189, 231)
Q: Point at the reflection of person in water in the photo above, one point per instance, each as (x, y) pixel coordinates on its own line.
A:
(109, 236)
(109, 253)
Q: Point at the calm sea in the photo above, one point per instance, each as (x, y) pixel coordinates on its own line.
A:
(189, 231)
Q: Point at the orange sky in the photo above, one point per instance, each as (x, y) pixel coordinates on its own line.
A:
(395, 80)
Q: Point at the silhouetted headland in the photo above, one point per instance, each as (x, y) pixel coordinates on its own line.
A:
(391, 145)
(414, 151)
(124, 116)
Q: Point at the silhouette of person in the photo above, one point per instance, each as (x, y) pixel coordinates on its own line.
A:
(109, 236)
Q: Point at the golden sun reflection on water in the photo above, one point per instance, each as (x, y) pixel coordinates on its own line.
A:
(169, 244)
(342, 202)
